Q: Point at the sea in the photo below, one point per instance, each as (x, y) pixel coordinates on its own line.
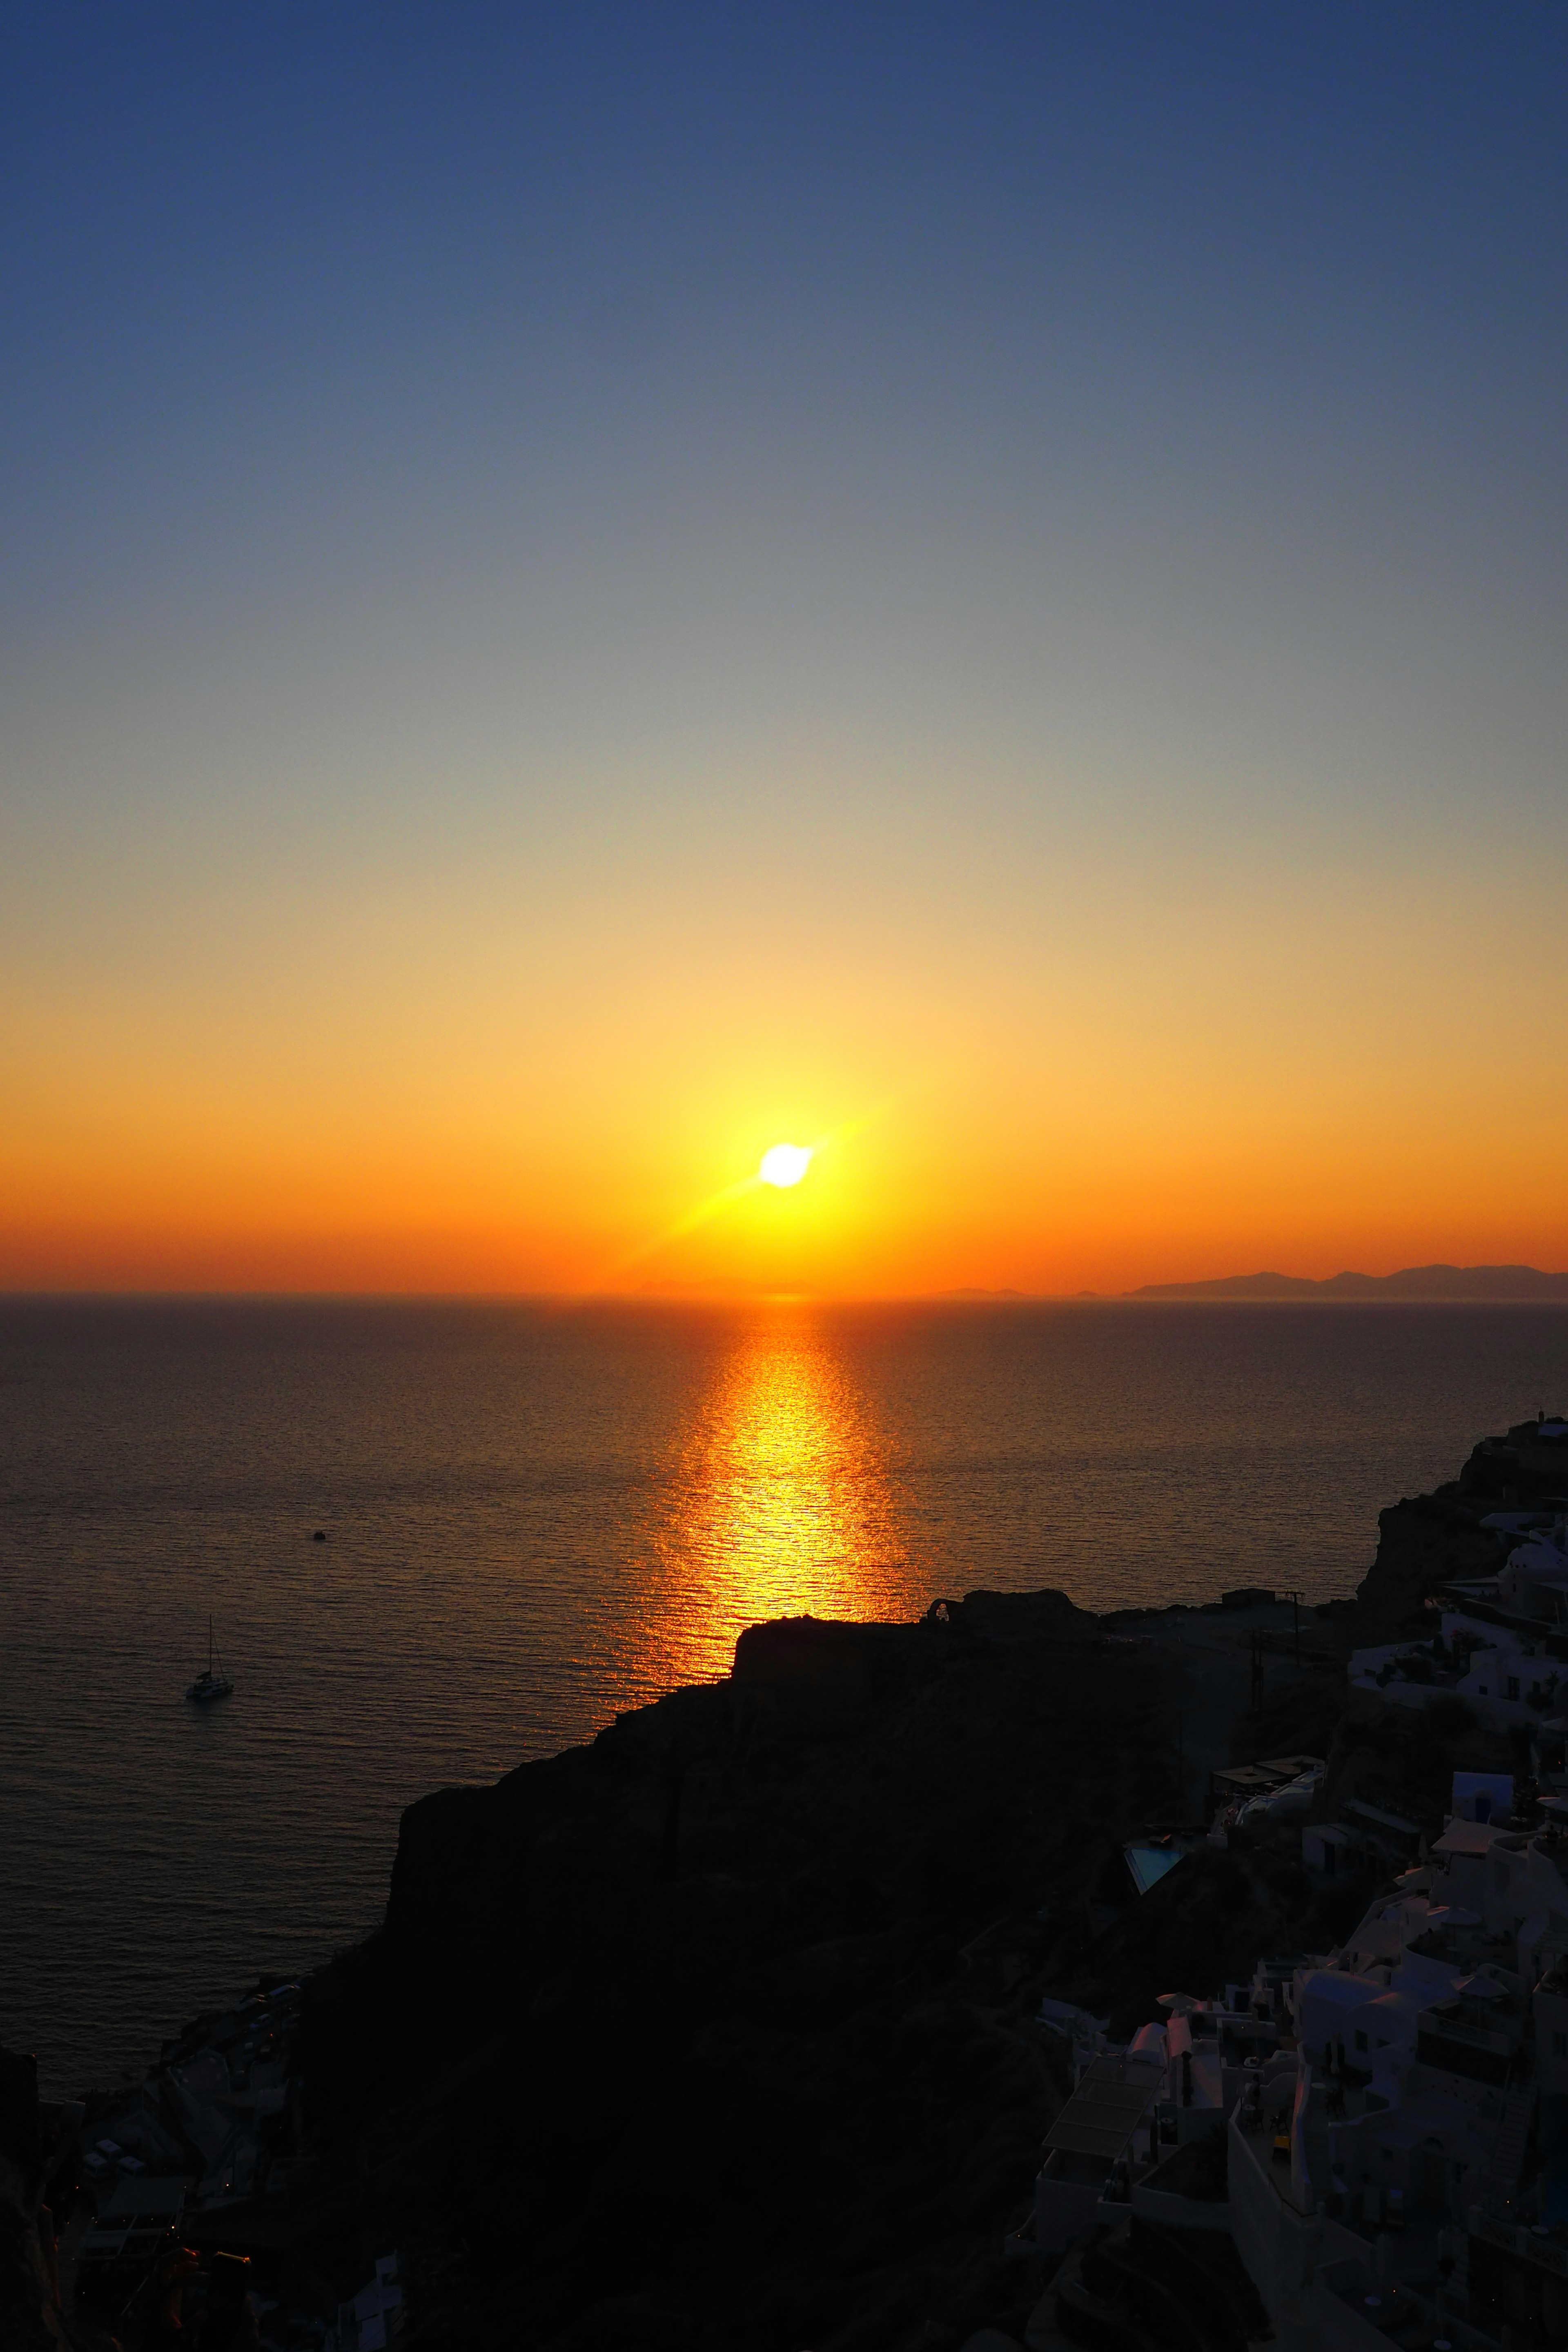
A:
(436, 1539)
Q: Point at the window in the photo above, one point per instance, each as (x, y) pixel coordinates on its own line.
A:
(1514, 1685)
(1559, 2045)
(1360, 2041)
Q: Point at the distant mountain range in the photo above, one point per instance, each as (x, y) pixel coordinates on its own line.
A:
(1493, 1284)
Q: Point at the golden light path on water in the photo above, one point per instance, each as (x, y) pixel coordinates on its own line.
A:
(783, 1503)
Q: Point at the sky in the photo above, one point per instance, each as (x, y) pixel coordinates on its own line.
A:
(592, 589)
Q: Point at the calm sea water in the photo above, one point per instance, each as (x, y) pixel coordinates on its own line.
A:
(536, 1517)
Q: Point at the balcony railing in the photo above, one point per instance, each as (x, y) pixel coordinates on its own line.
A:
(1457, 2028)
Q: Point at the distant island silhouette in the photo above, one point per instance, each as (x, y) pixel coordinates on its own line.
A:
(1494, 1285)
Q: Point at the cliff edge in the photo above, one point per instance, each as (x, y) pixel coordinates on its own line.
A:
(717, 2032)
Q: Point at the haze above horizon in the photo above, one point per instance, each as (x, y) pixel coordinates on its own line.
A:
(595, 593)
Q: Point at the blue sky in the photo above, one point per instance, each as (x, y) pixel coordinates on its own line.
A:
(887, 478)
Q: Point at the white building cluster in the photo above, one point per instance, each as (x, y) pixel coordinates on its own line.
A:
(1371, 2143)
(1500, 1645)
(1393, 2118)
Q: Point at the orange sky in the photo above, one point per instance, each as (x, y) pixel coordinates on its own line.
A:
(1157, 1078)
(979, 591)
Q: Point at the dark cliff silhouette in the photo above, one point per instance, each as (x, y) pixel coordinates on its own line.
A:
(721, 2031)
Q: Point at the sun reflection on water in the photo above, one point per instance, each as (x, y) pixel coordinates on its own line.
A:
(783, 1503)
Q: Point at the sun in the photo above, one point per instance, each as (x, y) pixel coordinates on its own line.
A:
(786, 1164)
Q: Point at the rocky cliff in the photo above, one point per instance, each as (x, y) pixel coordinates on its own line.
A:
(717, 2032)
(31, 2317)
(1423, 1543)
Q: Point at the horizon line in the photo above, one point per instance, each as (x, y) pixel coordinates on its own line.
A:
(1221, 1290)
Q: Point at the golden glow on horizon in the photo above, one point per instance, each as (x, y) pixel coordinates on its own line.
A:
(415, 1109)
(780, 1169)
(786, 1164)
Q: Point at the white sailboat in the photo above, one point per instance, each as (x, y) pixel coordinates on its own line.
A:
(214, 1683)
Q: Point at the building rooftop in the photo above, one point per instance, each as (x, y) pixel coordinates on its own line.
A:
(1465, 1837)
(1110, 2101)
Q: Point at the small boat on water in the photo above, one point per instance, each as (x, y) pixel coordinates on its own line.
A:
(214, 1683)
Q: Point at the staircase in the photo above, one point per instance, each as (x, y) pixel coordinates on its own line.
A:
(1315, 2144)
(1506, 2159)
